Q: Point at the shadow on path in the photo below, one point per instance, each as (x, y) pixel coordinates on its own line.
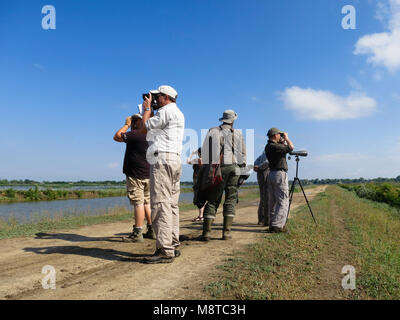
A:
(106, 254)
(76, 237)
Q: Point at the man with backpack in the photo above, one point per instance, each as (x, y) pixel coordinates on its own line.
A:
(223, 147)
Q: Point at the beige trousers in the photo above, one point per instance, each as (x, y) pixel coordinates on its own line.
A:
(165, 177)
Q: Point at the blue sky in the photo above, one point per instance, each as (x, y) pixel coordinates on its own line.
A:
(279, 63)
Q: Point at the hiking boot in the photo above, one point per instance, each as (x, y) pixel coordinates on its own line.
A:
(277, 230)
(135, 236)
(158, 257)
(226, 231)
(177, 252)
(150, 234)
(206, 229)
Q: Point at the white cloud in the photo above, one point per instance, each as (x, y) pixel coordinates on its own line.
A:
(123, 106)
(113, 165)
(383, 48)
(324, 105)
(353, 83)
(396, 97)
(396, 147)
(38, 66)
(337, 157)
(377, 76)
(349, 165)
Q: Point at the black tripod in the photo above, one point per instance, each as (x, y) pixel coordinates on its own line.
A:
(292, 191)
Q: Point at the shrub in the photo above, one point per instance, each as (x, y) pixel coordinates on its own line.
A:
(10, 193)
(79, 193)
(33, 194)
(50, 194)
(381, 192)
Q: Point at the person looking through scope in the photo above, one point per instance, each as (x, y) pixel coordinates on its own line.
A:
(276, 149)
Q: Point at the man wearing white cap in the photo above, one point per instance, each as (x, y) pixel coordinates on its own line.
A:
(165, 129)
(223, 145)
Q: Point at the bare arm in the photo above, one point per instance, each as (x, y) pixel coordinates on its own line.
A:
(118, 134)
(147, 113)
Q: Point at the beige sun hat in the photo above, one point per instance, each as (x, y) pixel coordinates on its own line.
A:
(229, 116)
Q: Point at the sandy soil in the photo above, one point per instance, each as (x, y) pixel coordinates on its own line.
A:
(93, 263)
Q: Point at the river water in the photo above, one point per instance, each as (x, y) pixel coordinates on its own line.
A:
(25, 212)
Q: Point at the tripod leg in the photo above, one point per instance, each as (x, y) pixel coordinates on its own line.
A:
(290, 198)
(305, 197)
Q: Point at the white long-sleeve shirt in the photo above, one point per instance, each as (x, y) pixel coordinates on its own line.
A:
(166, 129)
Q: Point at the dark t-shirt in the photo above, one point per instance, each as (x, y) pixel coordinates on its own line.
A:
(276, 155)
(135, 163)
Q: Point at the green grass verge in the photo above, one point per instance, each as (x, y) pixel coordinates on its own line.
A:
(291, 266)
(375, 229)
(279, 266)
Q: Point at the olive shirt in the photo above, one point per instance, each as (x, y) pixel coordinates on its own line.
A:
(230, 141)
(276, 155)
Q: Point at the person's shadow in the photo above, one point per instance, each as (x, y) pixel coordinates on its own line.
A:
(106, 254)
(76, 237)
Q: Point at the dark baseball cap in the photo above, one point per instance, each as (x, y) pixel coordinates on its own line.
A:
(273, 131)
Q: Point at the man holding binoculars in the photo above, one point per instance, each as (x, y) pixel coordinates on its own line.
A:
(278, 146)
(165, 130)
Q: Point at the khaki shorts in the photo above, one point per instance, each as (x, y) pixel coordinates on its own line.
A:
(138, 190)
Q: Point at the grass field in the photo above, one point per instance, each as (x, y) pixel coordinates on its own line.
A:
(306, 263)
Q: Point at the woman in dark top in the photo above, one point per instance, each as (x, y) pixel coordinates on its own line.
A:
(137, 171)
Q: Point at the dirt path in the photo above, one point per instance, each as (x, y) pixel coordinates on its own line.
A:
(93, 263)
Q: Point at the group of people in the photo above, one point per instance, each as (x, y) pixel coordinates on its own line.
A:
(152, 165)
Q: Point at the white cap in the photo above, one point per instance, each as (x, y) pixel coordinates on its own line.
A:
(169, 91)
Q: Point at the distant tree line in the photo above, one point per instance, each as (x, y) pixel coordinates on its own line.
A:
(34, 194)
(348, 181)
(27, 182)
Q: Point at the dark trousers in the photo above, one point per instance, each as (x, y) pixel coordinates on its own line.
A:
(263, 216)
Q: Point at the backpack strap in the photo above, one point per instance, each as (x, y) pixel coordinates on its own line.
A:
(223, 142)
